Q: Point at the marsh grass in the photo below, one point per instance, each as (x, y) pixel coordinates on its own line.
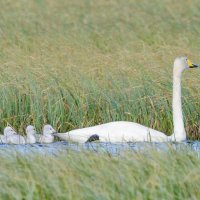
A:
(80, 63)
(149, 174)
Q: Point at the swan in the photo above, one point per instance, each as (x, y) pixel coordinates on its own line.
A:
(47, 136)
(122, 131)
(30, 134)
(11, 137)
(8, 131)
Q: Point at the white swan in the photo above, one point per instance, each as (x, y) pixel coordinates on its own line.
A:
(47, 136)
(122, 131)
(30, 134)
(8, 131)
(11, 137)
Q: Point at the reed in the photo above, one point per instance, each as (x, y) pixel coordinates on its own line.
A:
(81, 63)
(149, 174)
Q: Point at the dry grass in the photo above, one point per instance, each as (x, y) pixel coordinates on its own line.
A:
(81, 63)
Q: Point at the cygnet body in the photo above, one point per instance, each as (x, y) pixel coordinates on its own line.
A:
(30, 134)
(47, 136)
(11, 137)
(8, 131)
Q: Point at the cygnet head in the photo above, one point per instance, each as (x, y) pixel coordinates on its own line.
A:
(30, 130)
(182, 63)
(48, 129)
(8, 131)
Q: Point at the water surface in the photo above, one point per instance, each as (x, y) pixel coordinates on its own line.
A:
(113, 149)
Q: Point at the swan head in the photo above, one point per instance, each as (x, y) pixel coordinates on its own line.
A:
(8, 131)
(182, 63)
(48, 130)
(30, 130)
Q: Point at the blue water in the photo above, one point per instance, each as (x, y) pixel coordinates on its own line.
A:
(113, 149)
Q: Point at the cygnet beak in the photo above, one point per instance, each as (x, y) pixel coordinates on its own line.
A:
(53, 132)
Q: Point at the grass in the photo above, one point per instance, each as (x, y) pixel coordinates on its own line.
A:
(173, 174)
(80, 63)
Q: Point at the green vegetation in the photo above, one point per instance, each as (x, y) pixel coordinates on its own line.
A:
(71, 175)
(79, 63)
(83, 62)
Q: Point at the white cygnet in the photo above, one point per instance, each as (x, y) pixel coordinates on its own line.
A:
(11, 137)
(30, 134)
(47, 136)
(8, 131)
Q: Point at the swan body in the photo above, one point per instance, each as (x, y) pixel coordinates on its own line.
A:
(2, 139)
(122, 131)
(11, 137)
(15, 139)
(47, 136)
(30, 134)
(119, 131)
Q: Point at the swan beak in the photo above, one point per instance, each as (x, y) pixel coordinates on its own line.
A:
(192, 65)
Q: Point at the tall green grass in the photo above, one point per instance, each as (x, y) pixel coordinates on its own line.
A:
(79, 63)
(172, 174)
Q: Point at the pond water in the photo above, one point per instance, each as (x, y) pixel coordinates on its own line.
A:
(113, 149)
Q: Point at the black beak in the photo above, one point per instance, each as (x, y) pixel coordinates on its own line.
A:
(194, 66)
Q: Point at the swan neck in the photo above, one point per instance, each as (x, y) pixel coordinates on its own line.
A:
(179, 130)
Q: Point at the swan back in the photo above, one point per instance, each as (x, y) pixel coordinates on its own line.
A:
(15, 139)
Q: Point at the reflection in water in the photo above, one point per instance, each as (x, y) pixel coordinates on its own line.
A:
(112, 149)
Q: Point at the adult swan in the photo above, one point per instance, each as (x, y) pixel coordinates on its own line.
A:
(122, 131)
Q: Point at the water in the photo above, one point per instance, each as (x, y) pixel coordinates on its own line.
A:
(112, 149)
